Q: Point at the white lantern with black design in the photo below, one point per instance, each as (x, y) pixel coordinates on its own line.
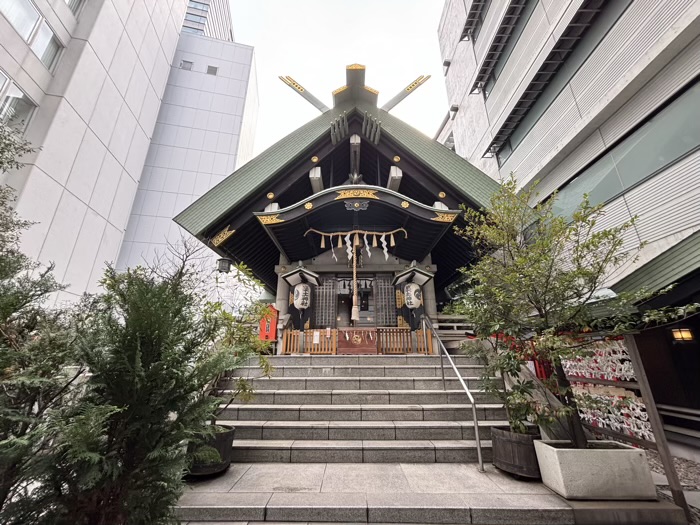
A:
(413, 295)
(302, 296)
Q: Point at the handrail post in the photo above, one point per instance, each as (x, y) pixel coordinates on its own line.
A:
(443, 353)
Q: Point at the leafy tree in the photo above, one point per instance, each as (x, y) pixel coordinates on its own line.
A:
(152, 345)
(35, 346)
(537, 287)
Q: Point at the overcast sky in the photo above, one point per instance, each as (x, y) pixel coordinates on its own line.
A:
(313, 40)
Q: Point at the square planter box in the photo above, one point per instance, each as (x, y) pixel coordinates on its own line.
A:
(608, 470)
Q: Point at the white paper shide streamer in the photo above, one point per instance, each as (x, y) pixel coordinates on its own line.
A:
(348, 243)
(384, 249)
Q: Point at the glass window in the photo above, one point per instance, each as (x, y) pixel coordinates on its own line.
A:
(600, 182)
(46, 45)
(193, 30)
(669, 135)
(21, 14)
(74, 6)
(665, 138)
(196, 18)
(212, 70)
(186, 64)
(199, 5)
(16, 108)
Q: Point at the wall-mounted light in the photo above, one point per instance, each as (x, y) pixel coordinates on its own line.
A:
(224, 265)
(682, 334)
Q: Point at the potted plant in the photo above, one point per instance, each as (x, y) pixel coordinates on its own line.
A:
(538, 285)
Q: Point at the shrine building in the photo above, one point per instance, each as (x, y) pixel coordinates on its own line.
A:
(349, 221)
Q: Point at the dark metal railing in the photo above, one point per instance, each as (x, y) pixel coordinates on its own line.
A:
(428, 325)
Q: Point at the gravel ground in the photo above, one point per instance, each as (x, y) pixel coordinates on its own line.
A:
(688, 473)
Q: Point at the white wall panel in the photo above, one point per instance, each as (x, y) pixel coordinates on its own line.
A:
(454, 16)
(639, 28)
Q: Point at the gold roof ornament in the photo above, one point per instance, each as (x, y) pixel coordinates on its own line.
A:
(355, 66)
(314, 159)
(220, 237)
(270, 219)
(444, 217)
(270, 195)
(442, 195)
(356, 194)
(405, 204)
(309, 205)
(396, 158)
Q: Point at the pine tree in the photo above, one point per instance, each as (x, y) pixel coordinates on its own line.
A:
(34, 345)
(152, 344)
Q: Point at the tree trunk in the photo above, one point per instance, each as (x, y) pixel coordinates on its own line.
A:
(567, 395)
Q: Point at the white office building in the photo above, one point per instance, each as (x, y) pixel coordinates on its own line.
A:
(599, 97)
(86, 82)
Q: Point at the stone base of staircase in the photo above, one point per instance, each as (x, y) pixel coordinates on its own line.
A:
(397, 493)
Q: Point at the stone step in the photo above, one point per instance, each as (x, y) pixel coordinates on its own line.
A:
(358, 451)
(364, 360)
(353, 430)
(359, 412)
(364, 397)
(356, 383)
(404, 370)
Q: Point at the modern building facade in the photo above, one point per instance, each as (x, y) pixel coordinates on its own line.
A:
(85, 80)
(596, 97)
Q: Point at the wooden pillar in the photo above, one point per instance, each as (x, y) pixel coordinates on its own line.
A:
(282, 304)
(657, 426)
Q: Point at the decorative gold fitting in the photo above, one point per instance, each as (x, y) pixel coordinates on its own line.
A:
(270, 219)
(372, 90)
(339, 90)
(309, 205)
(356, 194)
(442, 195)
(220, 237)
(444, 217)
(397, 158)
(270, 195)
(355, 66)
(314, 159)
(405, 204)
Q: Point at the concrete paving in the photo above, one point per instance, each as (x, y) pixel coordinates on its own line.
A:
(406, 493)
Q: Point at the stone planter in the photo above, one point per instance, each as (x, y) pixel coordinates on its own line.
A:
(606, 470)
(515, 453)
(222, 442)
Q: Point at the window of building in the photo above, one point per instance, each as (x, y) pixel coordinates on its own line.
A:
(671, 134)
(193, 30)
(196, 18)
(74, 6)
(27, 21)
(480, 20)
(199, 5)
(186, 65)
(212, 70)
(606, 19)
(15, 107)
(22, 15)
(46, 45)
(508, 49)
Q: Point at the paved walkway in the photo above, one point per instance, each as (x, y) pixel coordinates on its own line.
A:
(392, 492)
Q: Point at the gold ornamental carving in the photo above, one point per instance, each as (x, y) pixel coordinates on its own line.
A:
(270, 219)
(397, 159)
(371, 90)
(339, 90)
(405, 204)
(314, 159)
(220, 237)
(309, 205)
(442, 195)
(444, 217)
(270, 195)
(355, 66)
(356, 194)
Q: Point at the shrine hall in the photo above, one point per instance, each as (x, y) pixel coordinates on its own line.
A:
(350, 222)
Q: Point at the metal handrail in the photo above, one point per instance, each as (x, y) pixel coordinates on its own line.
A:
(443, 352)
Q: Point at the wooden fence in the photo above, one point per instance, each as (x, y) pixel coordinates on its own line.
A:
(390, 341)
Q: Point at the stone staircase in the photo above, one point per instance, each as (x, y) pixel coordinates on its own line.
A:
(361, 409)
(376, 439)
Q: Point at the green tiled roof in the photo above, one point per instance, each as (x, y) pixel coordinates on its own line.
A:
(252, 177)
(666, 269)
